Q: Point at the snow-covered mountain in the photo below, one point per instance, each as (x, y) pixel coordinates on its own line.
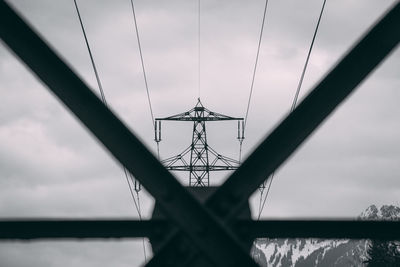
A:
(320, 252)
(386, 212)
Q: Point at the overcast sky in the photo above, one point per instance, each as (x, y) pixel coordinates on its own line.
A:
(50, 166)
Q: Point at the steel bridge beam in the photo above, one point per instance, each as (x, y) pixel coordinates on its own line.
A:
(28, 229)
(216, 242)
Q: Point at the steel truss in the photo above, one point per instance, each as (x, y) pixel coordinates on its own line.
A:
(210, 227)
(196, 159)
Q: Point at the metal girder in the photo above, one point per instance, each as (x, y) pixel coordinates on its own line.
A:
(333, 89)
(11, 229)
(191, 115)
(345, 228)
(27, 229)
(216, 242)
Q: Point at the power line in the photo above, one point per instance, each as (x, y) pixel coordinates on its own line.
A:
(101, 92)
(255, 64)
(103, 98)
(297, 94)
(266, 195)
(144, 73)
(142, 62)
(137, 205)
(101, 89)
(151, 111)
(140, 216)
(199, 48)
(132, 194)
(253, 79)
(308, 58)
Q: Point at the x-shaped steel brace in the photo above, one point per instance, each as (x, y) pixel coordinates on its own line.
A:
(206, 226)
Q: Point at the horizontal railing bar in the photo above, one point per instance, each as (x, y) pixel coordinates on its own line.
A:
(24, 229)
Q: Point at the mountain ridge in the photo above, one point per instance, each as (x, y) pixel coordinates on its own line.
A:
(301, 252)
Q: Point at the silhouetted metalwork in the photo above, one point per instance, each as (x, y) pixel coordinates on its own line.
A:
(199, 158)
(210, 227)
(29, 229)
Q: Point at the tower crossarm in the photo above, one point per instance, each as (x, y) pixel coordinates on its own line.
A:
(221, 162)
(199, 113)
(178, 162)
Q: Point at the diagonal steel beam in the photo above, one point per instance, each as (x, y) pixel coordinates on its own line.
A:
(204, 229)
(338, 84)
(31, 229)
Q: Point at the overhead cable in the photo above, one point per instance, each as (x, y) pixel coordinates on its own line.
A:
(101, 92)
(150, 107)
(255, 64)
(103, 98)
(199, 48)
(144, 73)
(132, 194)
(142, 62)
(253, 78)
(306, 63)
(137, 203)
(296, 96)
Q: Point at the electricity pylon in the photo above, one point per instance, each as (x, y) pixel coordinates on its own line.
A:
(199, 158)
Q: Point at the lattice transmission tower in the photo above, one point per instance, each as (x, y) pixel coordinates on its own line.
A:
(199, 158)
